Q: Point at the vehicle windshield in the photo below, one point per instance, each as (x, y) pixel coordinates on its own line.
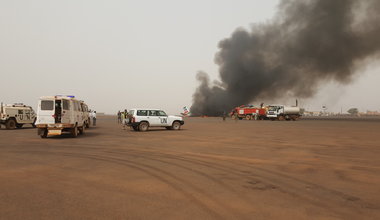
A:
(272, 108)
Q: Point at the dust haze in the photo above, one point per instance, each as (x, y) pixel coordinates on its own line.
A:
(306, 44)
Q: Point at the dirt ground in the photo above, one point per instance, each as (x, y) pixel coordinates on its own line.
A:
(308, 169)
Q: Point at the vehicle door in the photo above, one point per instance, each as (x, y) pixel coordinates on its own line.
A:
(20, 118)
(45, 114)
(153, 118)
(163, 118)
(77, 112)
(28, 117)
(66, 111)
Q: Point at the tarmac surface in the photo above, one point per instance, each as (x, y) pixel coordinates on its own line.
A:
(308, 169)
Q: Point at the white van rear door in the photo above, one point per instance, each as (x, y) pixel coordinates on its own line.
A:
(66, 111)
(45, 114)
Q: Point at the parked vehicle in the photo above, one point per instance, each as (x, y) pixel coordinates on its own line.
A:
(248, 112)
(16, 115)
(57, 114)
(282, 112)
(142, 119)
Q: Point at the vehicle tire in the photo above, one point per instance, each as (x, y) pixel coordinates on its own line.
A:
(19, 125)
(248, 117)
(42, 132)
(10, 124)
(81, 129)
(74, 132)
(143, 126)
(281, 118)
(88, 123)
(34, 123)
(176, 125)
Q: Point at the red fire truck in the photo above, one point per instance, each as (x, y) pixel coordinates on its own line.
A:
(249, 113)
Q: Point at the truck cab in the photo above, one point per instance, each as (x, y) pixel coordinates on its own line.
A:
(57, 114)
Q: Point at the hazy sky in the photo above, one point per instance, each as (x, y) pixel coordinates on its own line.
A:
(124, 54)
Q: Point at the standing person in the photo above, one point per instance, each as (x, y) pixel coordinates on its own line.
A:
(122, 117)
(119, 121)
(94, 118)
(126, 118)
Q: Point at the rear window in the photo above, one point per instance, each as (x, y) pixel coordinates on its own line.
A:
(47, 105)
(142, 113)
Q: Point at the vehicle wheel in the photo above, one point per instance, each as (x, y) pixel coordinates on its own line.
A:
(74, 132)
(281, 118)
(143, 126)
(42, 132)
(176, 125)
(248, 117)
(34, 123)
(19, 125)
(81, 129)
(10, 124)
(88, 123)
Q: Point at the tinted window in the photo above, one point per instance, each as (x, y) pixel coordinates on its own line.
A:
(20, 112)
(142, 113)
(66, 104)
(161, 113)
(47, 105)
(152, 113)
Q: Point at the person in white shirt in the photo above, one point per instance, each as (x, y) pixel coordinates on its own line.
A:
(93, 115)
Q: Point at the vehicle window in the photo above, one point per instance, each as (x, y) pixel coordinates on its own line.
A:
(47, 105)
(131, 112)
(161, 113)
(66, 104)
(142, 112)
(20, 112)
(152, 113)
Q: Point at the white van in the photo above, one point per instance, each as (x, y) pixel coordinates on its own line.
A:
(57, 114)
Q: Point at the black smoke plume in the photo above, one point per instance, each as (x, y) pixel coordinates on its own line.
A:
(308, 42)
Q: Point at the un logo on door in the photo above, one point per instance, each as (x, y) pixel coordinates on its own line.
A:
(164, 120)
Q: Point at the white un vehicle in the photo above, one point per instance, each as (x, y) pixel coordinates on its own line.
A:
(142, 119)
(16, 115)
(57, 114)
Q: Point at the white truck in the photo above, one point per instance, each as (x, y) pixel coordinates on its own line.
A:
(16, 115)
(142, 119)
(57, 114)
(282, 112)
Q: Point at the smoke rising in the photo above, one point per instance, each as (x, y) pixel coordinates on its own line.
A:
(307, 43)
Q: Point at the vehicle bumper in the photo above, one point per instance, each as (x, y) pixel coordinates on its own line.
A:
(54, 126)
(134, 124)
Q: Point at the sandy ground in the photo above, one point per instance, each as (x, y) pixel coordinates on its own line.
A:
(309, 169)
